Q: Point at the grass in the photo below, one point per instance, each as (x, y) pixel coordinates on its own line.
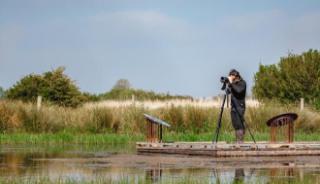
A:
(173, 180)
(124, 180)
(67, 137)
(102, 139)
(22, 122)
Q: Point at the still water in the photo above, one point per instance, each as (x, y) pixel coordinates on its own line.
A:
(120, 162)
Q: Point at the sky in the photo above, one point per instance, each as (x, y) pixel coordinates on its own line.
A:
(176, 46)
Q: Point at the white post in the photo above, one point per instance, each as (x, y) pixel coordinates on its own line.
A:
(39, 100)
(301, 104)
(133, 100)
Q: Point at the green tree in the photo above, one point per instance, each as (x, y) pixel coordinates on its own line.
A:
(54, 86)
(122, 84)
(28, 88)
(1, 92)
(294, 77)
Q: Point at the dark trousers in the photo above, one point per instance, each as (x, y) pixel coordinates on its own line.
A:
(236, 118)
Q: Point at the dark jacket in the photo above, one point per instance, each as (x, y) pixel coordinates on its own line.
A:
(238, 93)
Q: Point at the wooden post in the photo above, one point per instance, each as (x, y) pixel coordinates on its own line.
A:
(301, 104)
(273, 133)
(290, 132)
(39, 100)
(155, 135)
(160, 133)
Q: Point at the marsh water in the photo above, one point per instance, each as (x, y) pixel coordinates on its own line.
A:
(120, 162)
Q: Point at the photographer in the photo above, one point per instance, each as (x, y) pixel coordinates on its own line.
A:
(237, 87)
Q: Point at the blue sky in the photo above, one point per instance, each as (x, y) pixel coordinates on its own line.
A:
(176, 46)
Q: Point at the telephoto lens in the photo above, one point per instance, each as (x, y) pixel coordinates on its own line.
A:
(224, 80)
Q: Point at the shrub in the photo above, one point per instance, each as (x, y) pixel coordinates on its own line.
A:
(294, 77)
(53, 86)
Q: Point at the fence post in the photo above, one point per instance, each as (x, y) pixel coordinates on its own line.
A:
(301, 104)
(39, 100)
(133, 100)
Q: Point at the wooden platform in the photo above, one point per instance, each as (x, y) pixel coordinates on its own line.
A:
(222, 149)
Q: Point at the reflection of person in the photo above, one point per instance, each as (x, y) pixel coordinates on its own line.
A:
(239, 175)
(238, 93)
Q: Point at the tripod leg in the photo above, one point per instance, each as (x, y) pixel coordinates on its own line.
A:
(218, 126)
(251, 134)
(219, 120)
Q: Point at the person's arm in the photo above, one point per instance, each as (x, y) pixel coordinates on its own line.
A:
(238, 87)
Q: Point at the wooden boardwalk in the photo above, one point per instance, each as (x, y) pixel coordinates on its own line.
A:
(222, 149)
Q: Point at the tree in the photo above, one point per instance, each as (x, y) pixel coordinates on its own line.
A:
(122, 84)
(54, 86)
(1, 92)
(294, 77)
(28, 88)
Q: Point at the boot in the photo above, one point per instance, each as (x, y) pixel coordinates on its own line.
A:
(240, 136)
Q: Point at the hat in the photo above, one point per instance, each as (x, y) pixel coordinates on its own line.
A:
(234, 72)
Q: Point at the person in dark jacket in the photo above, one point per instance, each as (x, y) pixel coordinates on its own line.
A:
(237, 88)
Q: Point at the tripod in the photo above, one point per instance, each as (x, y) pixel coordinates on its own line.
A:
(244, 124)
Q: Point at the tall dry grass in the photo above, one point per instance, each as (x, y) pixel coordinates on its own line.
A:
(16, 116)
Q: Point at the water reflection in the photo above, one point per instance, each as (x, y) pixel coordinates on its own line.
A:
(154, 174)
(239, 175)
(118, 162)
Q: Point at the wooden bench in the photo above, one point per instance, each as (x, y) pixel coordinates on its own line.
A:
(154, 128)
(281, 120)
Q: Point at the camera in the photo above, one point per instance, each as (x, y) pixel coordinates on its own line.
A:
(225, 81)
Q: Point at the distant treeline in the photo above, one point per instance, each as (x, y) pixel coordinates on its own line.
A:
(57, 88)
(132, 94)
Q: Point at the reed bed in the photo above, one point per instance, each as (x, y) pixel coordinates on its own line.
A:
(18, 117)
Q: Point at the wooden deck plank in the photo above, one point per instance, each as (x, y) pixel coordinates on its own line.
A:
(231, 150)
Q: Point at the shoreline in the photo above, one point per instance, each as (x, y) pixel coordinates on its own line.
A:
(113, 138)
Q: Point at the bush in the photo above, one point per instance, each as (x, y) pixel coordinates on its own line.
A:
(53, 86)
(295, 77)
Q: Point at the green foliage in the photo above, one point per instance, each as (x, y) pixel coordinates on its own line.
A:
(127, 94)
(88, 97)
(122, 90)
(68, 137)
(294, 77)
(2, 93)
(122, 84)
(28, 88)
(54, 86)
